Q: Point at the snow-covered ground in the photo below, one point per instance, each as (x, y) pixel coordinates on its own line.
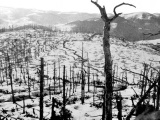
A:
(66, 49)
(155, 42)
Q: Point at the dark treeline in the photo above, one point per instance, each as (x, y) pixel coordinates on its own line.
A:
(33, 26)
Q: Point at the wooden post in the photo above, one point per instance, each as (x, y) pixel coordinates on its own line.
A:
(47, 74)
(24, 76)
(41, 88)
(59, 75)
(154, 96)
(93, 83)
(143, 80)
(158, 95)
(93, 97)
(64, 97)
(113, 76)
(133, 78)
(83, 80)
(53, 113)
(29, 87)
(6, 65)
(2, 71)
(23, 105)
(119, 106)
(88, 73)
(70, 81)
(66, 93)
(10, 76)
(1, 77)
(126, 78)
(146, 81)
(66, 75)
(73, 79)
(49, 91)
(54, 77)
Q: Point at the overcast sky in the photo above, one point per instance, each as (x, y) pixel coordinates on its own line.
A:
(152, 6)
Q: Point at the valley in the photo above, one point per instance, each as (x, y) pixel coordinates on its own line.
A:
(21, 52)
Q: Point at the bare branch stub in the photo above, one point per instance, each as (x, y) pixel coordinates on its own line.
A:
(102, 11)
(117, 14)
(96, 4)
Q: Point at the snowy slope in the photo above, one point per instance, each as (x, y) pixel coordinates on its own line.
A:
(66, 49)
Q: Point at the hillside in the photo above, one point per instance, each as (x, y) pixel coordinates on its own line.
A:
(128, 26)
(20, 16)
(56, 68)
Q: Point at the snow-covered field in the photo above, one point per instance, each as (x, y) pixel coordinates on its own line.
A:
(61, 49)
(157, 41)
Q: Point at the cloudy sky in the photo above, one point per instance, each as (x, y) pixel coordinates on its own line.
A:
(152, 6)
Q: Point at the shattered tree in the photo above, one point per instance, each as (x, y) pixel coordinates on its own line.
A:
(107, 105)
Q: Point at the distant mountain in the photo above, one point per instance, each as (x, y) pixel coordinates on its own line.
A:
(129, 26)
(19, 16)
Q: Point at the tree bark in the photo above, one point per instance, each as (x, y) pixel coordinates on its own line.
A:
(64, 96)
(158, 95)
(108, 74)
(107, 105)
(41, 89)
(83, 80)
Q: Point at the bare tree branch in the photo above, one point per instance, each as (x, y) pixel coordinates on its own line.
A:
(90, 37)
(103, 11)
(121, 5)
(117, 14)
(151, 34)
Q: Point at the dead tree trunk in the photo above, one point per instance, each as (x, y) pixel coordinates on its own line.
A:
(73, 80)
(83, 81)
(54, 77)
(41, 89)
(29, 85)
(119, 106)
(59, 75)
(53, 113)
(10, 76)
(64, 96)
(107, 108)
(143, 81)
(88, 73)
(23, 105)
(158, 95)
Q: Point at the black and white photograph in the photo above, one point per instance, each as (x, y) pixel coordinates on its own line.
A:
(79, 60)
